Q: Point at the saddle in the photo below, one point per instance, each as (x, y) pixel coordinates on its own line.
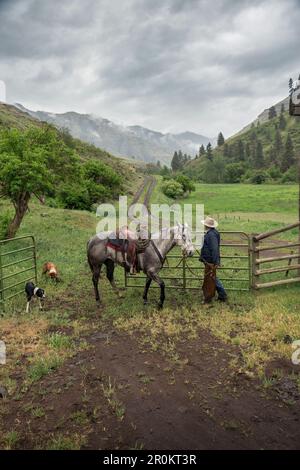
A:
(129, 247)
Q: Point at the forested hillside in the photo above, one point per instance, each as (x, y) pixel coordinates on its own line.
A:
(12, 117)
(38, 160)
(267, 151)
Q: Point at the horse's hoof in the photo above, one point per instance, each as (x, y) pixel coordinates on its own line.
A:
(145, 302)
(160, 306)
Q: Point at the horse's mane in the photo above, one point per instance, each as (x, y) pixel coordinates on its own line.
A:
(159, 235)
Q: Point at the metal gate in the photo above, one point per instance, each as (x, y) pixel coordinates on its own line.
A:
(184, 273)
(267, 267)
(16, 253)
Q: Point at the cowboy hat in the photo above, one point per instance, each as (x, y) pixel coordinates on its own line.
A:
(210, 222)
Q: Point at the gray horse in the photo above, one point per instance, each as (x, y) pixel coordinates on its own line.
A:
(151, 261)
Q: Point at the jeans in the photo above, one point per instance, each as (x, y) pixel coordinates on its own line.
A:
(220, 289)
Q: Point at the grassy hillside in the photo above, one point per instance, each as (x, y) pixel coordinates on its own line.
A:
(268, 151)
(12, 117)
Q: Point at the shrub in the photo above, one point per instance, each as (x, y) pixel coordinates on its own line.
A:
(274, 172)
(102, 174)
(290, 176)
(234, 172)
(173, 189)
(258, 177)
(75, 197)
(186, 183)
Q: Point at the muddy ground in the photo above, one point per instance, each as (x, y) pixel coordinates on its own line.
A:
(118, 395)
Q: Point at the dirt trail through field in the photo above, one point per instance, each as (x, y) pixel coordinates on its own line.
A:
(118, 395)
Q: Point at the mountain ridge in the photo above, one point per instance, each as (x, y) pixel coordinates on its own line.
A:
(135, 141)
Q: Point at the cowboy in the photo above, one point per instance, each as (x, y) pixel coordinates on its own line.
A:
(210, 256)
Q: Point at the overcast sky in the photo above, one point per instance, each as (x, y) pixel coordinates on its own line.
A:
(170, 65)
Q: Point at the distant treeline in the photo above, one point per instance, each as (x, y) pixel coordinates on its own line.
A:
(267, 152)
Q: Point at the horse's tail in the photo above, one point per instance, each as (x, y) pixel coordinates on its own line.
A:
(88, 254)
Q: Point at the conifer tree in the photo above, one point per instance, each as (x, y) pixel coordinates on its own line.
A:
(209, 151)
(221, 139)
(272, 112)
(288, 156)
(202, 151)
(259, 155)
(175, 163)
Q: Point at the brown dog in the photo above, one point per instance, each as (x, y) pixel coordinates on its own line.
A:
(51, 270)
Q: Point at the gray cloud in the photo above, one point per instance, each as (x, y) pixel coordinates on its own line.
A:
(173, 65)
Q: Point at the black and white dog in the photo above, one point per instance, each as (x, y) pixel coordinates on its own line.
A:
(33, 291)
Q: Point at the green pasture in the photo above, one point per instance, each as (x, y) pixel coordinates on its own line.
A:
(260, 320)
(244, 207)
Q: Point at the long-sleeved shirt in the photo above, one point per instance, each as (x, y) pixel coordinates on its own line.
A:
(210, 251)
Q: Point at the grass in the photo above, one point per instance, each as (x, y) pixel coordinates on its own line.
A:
(43, 366)
(61, 442)
(80, 418)
(10, 440)
(60, 341)
(38, 412)
(109, 391)
(38, 343)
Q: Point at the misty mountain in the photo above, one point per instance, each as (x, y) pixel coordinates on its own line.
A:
(132, 141)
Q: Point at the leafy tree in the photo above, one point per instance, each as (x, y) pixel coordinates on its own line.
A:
(32, 162)
(221, 139)
(214, 171)
(102, 174)
(234, 172)
(218, 165)
(186, 183)
(172, 188)
(74, 196)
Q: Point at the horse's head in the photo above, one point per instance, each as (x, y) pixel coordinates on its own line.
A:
(184, 239)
